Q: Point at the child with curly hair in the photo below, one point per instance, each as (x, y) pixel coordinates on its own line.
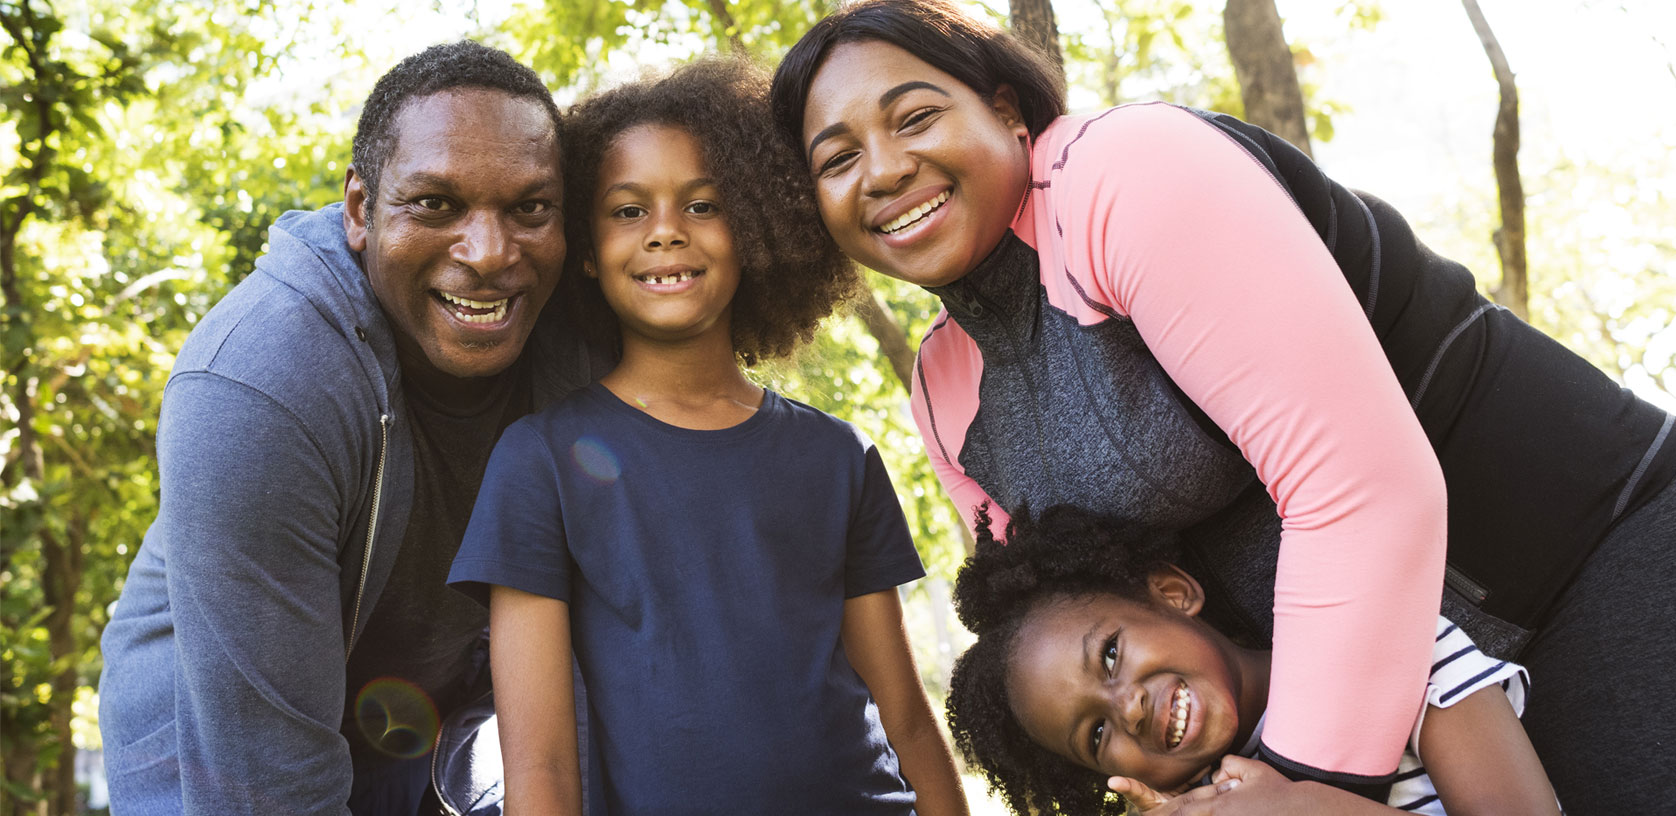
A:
(723, 560)
(1095, 673)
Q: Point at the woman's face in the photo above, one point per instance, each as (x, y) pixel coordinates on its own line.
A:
(917, 176)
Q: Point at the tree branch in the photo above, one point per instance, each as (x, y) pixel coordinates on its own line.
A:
(1514, 291)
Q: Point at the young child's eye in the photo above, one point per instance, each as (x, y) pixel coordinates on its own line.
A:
(628, 211)
(1094, 735)
(1108, 655)
(703, 208)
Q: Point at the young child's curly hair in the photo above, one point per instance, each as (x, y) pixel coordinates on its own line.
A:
(792, 274)
(1064, 552)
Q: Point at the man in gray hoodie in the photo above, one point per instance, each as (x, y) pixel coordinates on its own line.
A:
(285, 642)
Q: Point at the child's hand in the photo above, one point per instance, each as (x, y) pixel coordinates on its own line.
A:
(1141, 798)
(1148, 802)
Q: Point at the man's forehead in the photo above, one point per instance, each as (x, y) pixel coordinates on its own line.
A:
(434, 132)
(473, 112)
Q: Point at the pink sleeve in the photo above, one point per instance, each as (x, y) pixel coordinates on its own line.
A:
(949, 365)
(1236, 296)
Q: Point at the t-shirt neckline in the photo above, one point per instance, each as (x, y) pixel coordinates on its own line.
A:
(771, 403)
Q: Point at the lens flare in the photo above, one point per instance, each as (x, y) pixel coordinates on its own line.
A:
(596, 460)
(396, 717)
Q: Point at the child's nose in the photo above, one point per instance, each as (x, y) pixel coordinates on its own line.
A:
(1132, 705)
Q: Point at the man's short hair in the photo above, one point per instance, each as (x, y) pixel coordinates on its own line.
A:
(464, 64)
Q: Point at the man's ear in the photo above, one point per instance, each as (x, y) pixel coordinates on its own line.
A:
(1006, 106)
(1170, 586)
(355, 210)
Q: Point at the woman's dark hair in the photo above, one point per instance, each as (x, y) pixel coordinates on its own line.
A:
(792, 274)
(1066, 552)
(940, 33)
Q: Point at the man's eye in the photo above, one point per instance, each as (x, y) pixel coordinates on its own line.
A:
(432, 203)
(1094, 735)
(533, 207)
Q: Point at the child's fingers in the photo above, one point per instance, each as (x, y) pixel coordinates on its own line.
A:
(1138, 794)
(1237, 768)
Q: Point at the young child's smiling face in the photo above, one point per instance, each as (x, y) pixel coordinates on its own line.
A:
(1141, 689)
(663, 252)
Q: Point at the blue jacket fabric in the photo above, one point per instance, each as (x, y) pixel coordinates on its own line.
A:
(286, 464)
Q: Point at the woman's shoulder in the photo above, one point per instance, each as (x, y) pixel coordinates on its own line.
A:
(1136, 134)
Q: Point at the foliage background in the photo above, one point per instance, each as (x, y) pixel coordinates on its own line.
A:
(146, 145)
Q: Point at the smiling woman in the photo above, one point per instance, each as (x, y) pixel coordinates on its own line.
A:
(1173, 317)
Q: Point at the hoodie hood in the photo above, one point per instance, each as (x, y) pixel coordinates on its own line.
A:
(300, 244)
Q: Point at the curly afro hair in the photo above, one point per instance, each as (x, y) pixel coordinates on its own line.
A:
(463, 64)
(1064, 552)
(792, 274)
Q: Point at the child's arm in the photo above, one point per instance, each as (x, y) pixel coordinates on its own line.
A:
(529, 654)
(877, 647)
(1475, 752)
(1480, 760)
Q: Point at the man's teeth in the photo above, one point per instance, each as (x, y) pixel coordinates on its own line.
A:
(666, 279)
(915, 214)
(486, 311)
(1179, 705)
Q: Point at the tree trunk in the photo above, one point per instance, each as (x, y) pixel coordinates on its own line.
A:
(897, 354)
(1032, 20)
(1509, 238)
(730, 27)
(1267, 75)
(60, 579)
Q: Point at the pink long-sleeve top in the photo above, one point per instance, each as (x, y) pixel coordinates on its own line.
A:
(1163, 286)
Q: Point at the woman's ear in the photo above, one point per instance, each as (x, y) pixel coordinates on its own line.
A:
(1006, 106)
(589, 270)
(1170, 586)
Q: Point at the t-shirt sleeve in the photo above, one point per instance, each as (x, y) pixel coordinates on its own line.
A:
(516, 535)
(1242, 305)
(880, 551)
(1459, 669)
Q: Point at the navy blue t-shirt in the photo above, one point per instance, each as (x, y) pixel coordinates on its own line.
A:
(706, 573)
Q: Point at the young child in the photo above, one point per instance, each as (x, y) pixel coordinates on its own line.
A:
(723, 560)
(1093, 667)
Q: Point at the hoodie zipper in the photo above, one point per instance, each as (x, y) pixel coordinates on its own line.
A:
(372, 528)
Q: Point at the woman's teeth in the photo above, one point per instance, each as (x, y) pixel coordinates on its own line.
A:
(476, 311)
(1179, 706)
(906, 219)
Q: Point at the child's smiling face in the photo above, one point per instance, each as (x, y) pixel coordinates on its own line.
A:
(1141, 689)
(663, 252)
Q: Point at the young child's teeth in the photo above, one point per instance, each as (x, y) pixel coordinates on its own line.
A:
(915, 214)
(666, 279)
(1178, 708)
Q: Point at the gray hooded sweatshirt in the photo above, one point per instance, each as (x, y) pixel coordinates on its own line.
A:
(286, 464)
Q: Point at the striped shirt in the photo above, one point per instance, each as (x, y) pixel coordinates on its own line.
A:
(1458, 670)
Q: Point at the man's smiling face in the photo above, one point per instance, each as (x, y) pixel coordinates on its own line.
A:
(464, 242)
